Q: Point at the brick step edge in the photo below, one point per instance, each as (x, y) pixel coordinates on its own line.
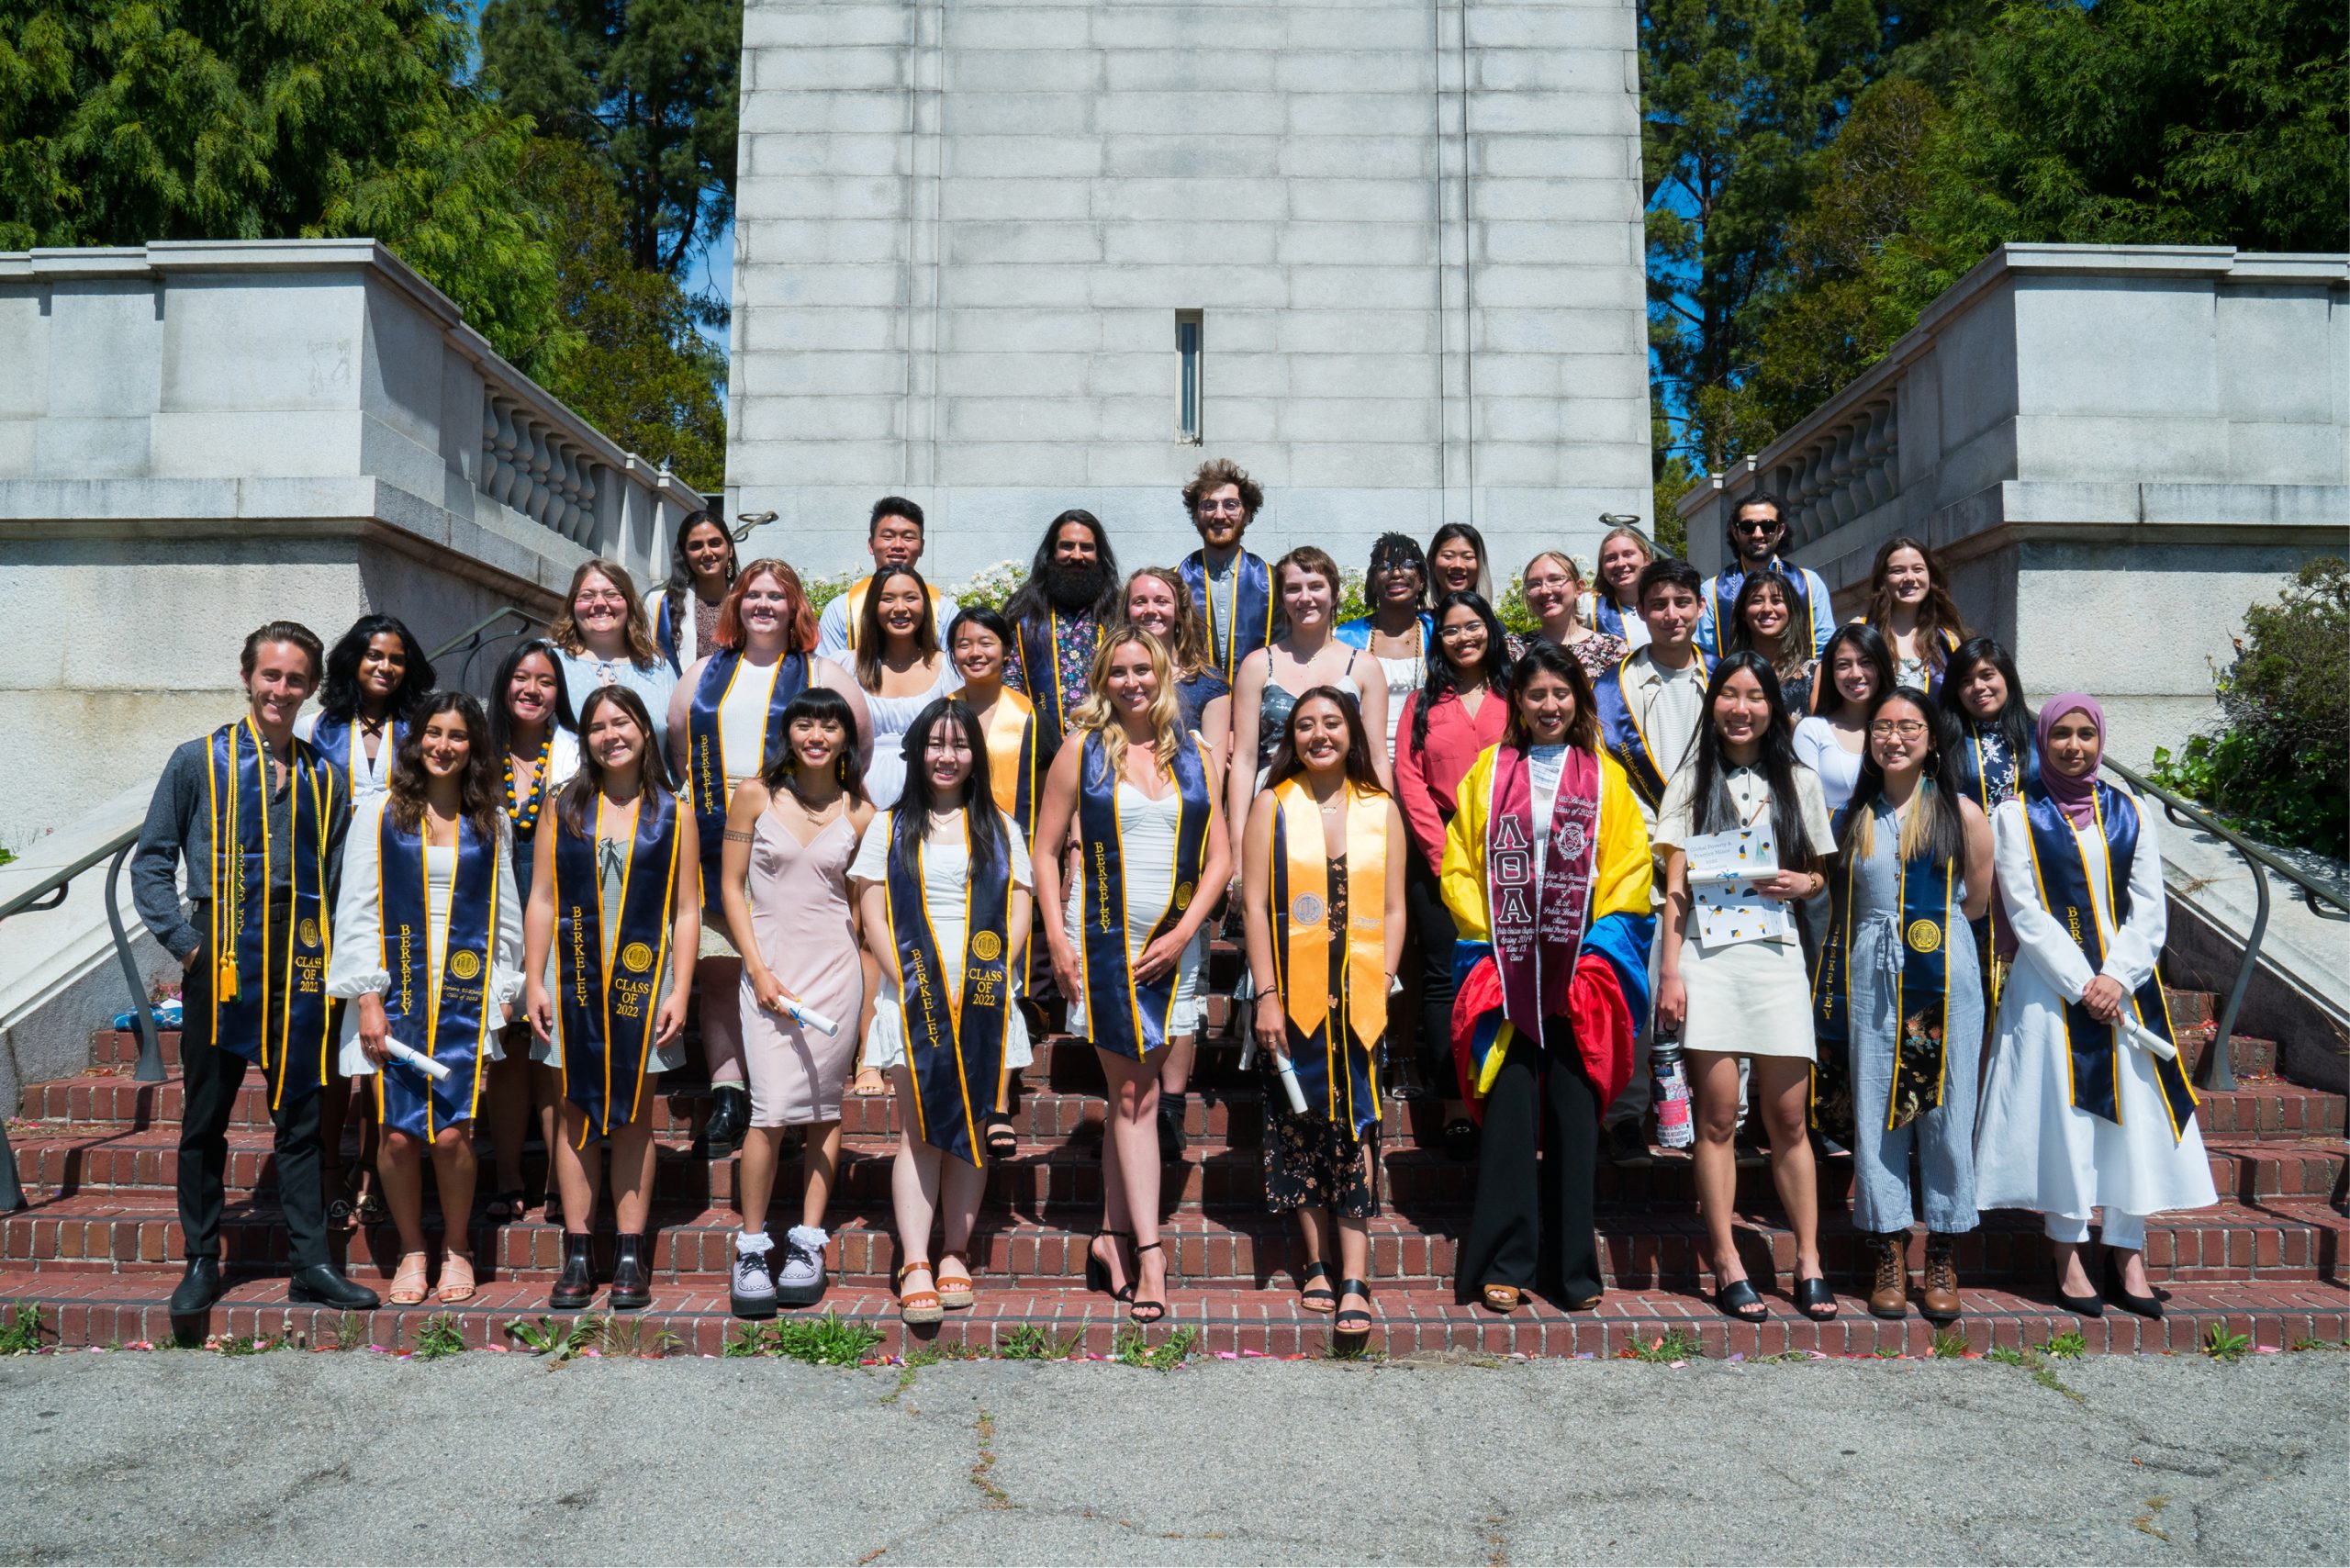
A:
(1239, 1323)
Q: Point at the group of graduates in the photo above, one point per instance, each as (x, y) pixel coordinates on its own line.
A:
(882, 846)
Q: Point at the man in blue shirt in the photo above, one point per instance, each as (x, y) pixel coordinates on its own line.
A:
(1756, 530)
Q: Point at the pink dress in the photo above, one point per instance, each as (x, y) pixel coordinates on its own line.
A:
(800, 912)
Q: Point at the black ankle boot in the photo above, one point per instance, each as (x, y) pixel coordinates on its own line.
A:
(575, 1286)
(1173, 1105)
(723, 1134)
(632, 1285)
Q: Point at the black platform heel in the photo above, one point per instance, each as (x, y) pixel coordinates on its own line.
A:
(1145, 1311)
(1097, 1273)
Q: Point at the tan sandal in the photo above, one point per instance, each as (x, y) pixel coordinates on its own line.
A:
(869, 1084)
(1502, 1298)
(918, 1306)
(955, 1290)
(409, 1281)
(456, 1280)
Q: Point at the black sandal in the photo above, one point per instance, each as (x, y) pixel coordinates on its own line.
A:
(1357, 1322)
(1815, 1300)
(1145, 1311)
(1313, 1297)
(511, 1205)
(1459, 1138)
(1738, 1299)
(1097, 1273)
(996, 1130)
(554, 1209)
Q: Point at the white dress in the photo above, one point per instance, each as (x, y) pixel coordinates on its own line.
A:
(2033, 1149)
(1838, 770)
(1146, 834)
(945, 865)
(885, 776)
(1404, 676)
(1749, 998)
(356, 966)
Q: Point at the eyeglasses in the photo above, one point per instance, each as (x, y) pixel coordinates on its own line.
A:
(1459, 633)
(1230, 504)
(593, 597)
(1908, 729)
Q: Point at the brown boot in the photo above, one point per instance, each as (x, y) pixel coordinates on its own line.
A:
(1890, 1297)
(1939, 1301)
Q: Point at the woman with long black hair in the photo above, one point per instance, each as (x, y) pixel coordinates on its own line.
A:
(901, 668)
(943, 885)
(1995, 760)
(1855, 671)
(1763, 618)
(428, 951)
(702, 568)
(1458, 712)
(1899, 999)
(1731, 988)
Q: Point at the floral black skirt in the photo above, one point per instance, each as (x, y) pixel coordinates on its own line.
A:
(1311, 1162)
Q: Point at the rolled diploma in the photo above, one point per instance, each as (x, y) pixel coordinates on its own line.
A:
(1291, 1087)
(800, 1011)
(416, 1059)
(2146, 1040)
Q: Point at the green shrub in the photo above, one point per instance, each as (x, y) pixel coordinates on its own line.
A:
(2277, 764)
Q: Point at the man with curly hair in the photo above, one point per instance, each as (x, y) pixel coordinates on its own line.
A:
(1232, 588)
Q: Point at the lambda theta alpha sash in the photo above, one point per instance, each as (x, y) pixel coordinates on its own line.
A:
(606, 1000)
(1921, 996)
(1252, 609)
(706, 750)
(1620, 732)
(442, 1008)
(1128, 1018)
(954, 1034)
(1331, 1035)
(269, 978)
(2066, 894)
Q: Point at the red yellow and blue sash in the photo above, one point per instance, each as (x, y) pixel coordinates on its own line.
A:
(269, 985)
(1921, 994)
(608, 1004)
(1535, 947)
(1253, 608)
(1126, 1017)
(2065, 891)
(706, 751)
(336, 740)
(440, 1009)
(953, 1037)
(1332, 1034)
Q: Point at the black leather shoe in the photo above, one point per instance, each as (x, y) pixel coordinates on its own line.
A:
(632, 1285)
(322, 1284)
(575, 1286)
(2117, 1295)
(198, 1289)
(723, 1134)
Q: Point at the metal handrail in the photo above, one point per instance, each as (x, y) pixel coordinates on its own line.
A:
(49, 891)
(2217, 1072)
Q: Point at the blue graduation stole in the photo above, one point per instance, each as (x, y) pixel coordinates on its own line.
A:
(269, 984)
(954, 1044)
(2066, 892)
(332, 736)
(665, 632)
(608, 1013)
(1729, 585)
(442, 1009)
(1620, 732)
(1989, 793)
(1252, 609)
(706, 753)
(1922, 995)
(1607, 614)
(1040, 660)
(1127, 1018)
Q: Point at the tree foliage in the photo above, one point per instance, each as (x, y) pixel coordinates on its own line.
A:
(648, 87)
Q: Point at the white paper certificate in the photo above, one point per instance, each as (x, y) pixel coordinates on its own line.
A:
(1722, 871)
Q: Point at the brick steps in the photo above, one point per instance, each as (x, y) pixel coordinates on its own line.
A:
(108, 1309)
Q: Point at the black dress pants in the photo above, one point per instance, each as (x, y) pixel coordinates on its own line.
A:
(1532, 1224)
(211, 1078)
(1433, 929)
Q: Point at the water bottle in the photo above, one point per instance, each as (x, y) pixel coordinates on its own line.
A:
(1670, 1094)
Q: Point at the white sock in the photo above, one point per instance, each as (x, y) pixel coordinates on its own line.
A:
(748, 1241)
(812, 1236)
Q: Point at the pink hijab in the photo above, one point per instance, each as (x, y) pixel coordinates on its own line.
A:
(2076, 796)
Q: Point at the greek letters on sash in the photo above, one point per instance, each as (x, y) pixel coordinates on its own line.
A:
(954, 1042)
(2065, 891)
(1331, 1036)
(441, 1008)
(1535, 946)
(606, 1001)
(269, 980)
(1252, 609)
(337, 741)
(706, 751)
(1127, 1017)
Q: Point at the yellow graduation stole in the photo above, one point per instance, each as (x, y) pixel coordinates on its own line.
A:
(1301, 936)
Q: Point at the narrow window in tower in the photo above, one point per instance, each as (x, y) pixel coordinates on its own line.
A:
(1187, 326)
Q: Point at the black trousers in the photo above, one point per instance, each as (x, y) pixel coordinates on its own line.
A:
(211, 1078)
(1532, 1225)
(1433, 930)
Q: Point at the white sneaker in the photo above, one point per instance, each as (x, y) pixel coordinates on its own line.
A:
(799, 1281)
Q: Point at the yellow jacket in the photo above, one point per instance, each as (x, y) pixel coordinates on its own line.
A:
(1624, 871)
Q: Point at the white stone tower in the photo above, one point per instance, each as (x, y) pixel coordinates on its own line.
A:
(1010, 258)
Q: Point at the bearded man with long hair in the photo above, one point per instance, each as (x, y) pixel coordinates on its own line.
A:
(1058, 617)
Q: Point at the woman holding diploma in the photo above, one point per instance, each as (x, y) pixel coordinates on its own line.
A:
(1900, 998)
(943, 883)
(1325, 915)
(790, 834)
(1137, 788)
(611, 932)
(1546, 876)
(428, 950)
(2085, 1104)
(1730, 978)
